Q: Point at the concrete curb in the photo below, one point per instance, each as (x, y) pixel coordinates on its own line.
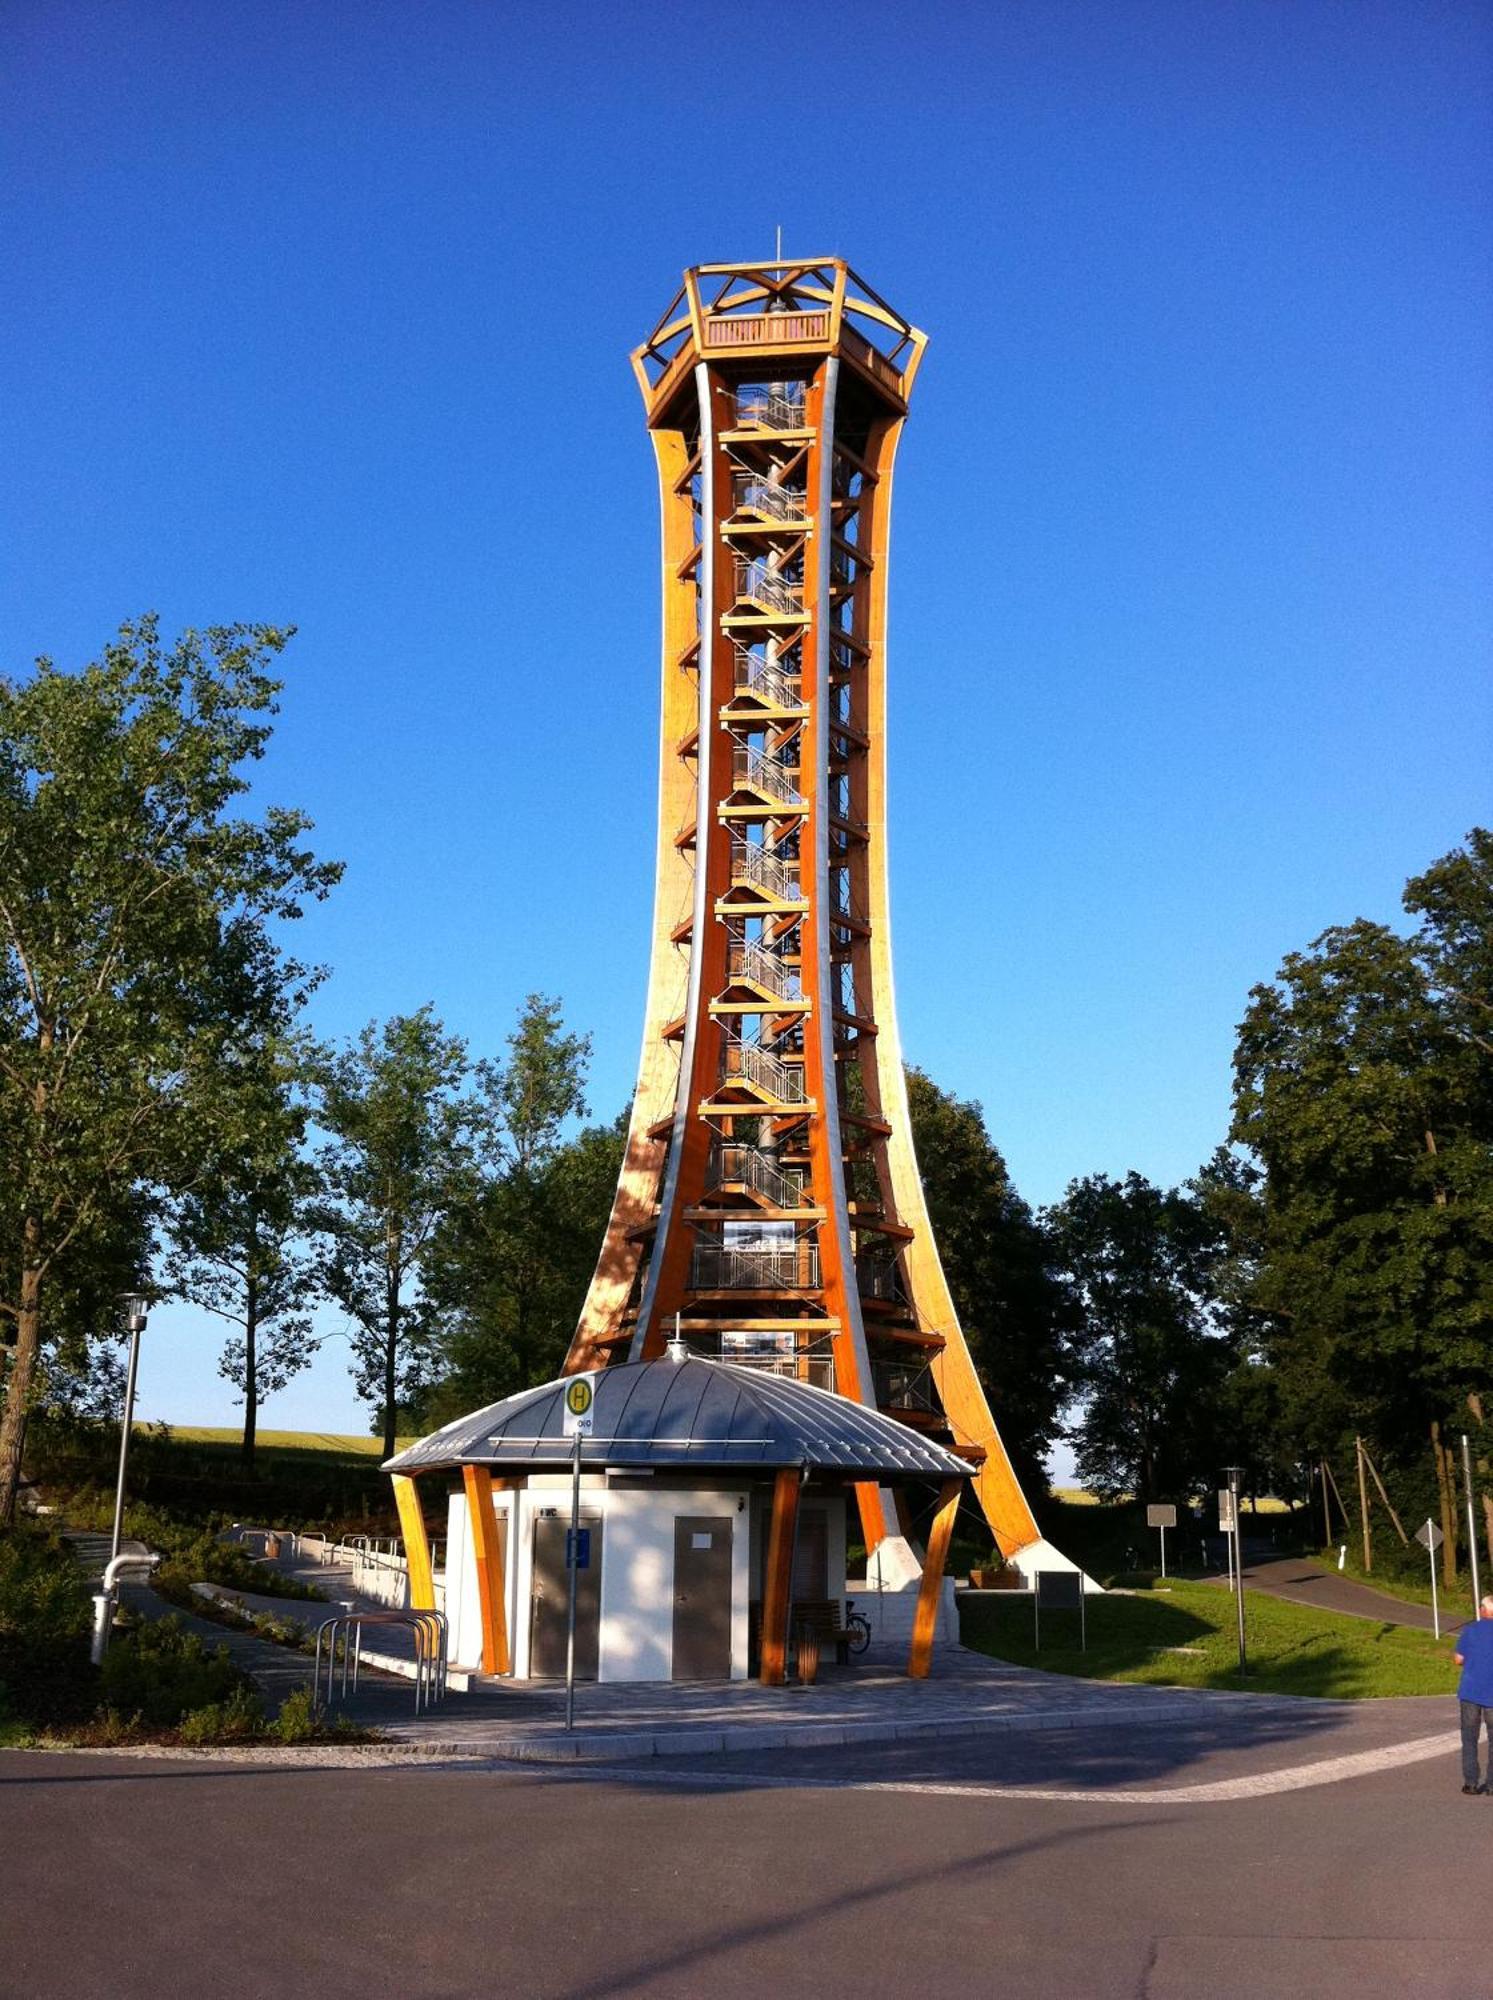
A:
(629, 1746)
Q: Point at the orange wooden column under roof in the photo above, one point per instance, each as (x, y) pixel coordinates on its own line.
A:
(770, 1206)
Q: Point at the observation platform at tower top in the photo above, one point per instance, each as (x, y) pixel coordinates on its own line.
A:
(784, 309)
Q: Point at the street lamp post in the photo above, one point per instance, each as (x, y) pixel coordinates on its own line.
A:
(136, 1309)
(1233, 1473)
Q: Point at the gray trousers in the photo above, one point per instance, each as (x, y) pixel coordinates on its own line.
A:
(1475, 1716)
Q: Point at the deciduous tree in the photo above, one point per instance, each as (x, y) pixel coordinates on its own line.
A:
(1154, 1345)
(132, 900)
(398, 1159)
(239, 1233)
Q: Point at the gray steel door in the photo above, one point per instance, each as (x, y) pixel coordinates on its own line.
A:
(702, 1597)
(549, 1602)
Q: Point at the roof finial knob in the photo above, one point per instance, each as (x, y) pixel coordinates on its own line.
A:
(674, 1346)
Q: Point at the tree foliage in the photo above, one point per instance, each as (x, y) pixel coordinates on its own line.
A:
(1362, 1088)
(135, 907)
(998, 1261)
(511, 1263)
(397, 1160)
(1154, 1348)
(239, 1234)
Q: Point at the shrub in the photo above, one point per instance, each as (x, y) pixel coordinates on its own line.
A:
(161, 1672)
(235, 1720)
(45, 1615)
(299, 1719)
(43, 1594)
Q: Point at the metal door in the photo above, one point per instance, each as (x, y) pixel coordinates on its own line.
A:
(549, 1605)
(702, 1597)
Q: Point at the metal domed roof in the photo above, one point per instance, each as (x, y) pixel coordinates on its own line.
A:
(691, 1414)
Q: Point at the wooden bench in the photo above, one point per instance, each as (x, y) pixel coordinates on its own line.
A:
(813, 1625)
(816, 1624)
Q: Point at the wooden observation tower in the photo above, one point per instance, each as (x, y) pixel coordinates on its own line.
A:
(770, 1205)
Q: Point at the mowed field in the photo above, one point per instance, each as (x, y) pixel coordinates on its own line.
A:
(342, 1444)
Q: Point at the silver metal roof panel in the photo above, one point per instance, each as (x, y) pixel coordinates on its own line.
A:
(692, 1414)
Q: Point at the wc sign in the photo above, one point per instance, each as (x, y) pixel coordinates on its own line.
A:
(580, 1395)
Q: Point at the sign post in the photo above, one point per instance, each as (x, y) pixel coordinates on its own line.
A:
(1059, 1590)
(1228, 1521)
(1430, 1538)
(1162, 1517)
(580, 1394)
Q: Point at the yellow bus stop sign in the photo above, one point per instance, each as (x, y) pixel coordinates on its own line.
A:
(580, 1394)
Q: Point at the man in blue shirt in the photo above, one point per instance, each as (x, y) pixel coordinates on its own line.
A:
(1475, 1692)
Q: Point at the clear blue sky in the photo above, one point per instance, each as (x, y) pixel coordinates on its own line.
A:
(320, 313)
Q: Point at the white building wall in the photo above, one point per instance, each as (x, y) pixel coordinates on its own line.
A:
(637, 1570)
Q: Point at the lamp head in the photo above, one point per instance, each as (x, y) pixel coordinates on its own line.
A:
(136, 1310)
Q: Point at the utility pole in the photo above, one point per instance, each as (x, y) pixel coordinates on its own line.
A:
(1363, 1510)
(1477, 1589)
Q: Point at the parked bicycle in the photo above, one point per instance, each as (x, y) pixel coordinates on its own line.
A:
(857, 1626)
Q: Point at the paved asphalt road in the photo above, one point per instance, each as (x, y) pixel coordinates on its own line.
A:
(1304, 1581)
(1052, 1864)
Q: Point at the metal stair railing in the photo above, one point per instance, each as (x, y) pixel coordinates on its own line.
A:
(765, 677)
(904, 1386)
(770, 408)
(776, 503)
(750, 961)
(877, 1279)
(768, 774)
(756, 864)
(756, 1065)
(782, 1186)
(734, 1268)
(765, 585)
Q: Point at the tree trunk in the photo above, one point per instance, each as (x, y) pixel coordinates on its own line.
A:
(1448, 1510)
(391, 1356)
(21, 1378)
(251, 1370)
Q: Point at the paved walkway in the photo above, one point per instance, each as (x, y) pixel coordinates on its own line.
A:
(1301, 1580)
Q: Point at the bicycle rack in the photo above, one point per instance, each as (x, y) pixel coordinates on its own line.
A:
(430, 1633)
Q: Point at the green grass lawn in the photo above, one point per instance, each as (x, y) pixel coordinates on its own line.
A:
(1183, 1635)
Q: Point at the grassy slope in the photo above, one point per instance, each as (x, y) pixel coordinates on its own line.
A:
(342, 1444)
(1292, 1649)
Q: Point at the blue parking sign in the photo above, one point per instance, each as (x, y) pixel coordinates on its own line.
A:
(577, 1548)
